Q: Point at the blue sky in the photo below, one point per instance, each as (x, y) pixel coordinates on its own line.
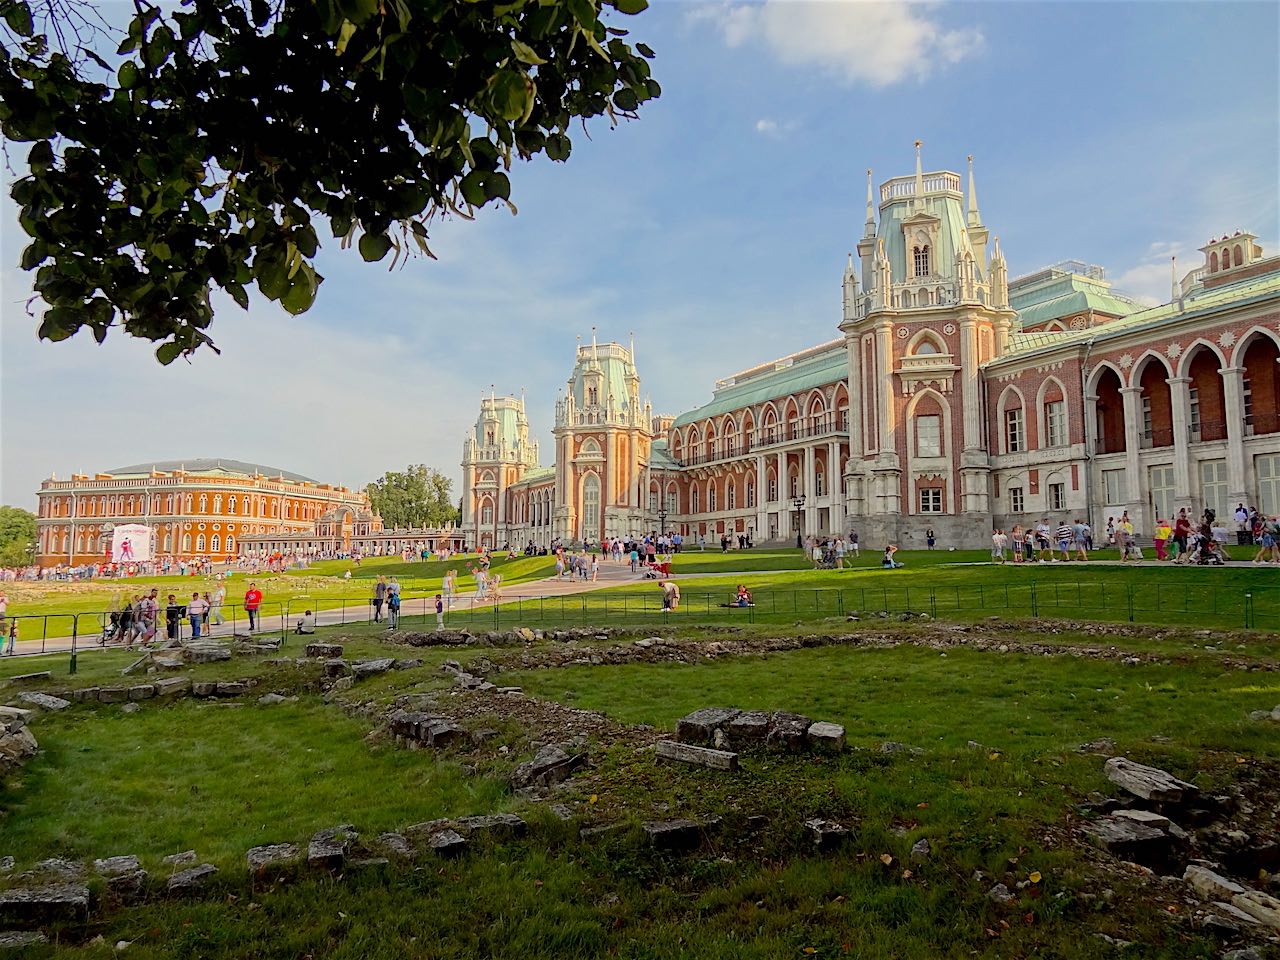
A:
(715, 228)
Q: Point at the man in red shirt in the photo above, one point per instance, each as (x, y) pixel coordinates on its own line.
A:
(252, 600)
(1181, 532)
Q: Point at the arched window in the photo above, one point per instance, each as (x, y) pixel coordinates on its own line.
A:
(731, 495)
(795, 485)
(168, 503)
(819, 483)
(186, 543)
(80, 543)
(200, 544)
(751, 494)
(187, 503)
(694, 504)
(590, 504)
(921, 255)
(204, 503)
(711, 497)
(1239, 256)
(231, 544)
(217, 503)
(673, 501)
(926, 346)
(215, 544)
(1213, 263)
(168, 542)
(486, 514)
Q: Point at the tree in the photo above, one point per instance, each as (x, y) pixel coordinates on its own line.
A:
(208, 149)
(417, 497)
(17, 534)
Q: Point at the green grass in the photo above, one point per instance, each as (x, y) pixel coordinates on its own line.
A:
(223, 779)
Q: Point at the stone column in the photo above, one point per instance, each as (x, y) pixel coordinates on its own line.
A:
(835, 487)
(762, 498)
(969, 374)
(1180, 397)
(810, 490)
(1093, 479)
(1135, 486)
(1238, 479)
(885, 400)
(855, 382)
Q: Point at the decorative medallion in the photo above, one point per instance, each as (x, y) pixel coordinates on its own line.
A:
(217, 526)
(1227, 339)
(1077, 323)
(1126, 361)
(949, 329)
(902, 333)
(1174, 350)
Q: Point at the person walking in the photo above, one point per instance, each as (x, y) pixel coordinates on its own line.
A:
(196, 609)
(215, 609)
(932, 540)
(12, 642)
(252, 601)
(447, 587)
(1161, 538)
(172, 617)
(379, 597)
(439, 612)
(393, 610)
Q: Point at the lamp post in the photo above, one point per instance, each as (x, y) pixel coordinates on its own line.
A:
(662, 520)
(798, 503)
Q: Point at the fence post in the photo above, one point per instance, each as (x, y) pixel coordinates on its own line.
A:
(933, 603)
(1129, 599)
(1248, 610)
(75, 629)
(1035, 607)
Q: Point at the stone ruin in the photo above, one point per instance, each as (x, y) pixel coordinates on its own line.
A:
(713, 736)
(1172, 827)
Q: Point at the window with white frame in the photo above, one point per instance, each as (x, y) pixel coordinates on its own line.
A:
(590, 504)
(731, 495)
(1113, 487)
(1162, 491)
(1213, 485)
(819, 483)
(1267, 469)
(773, 489)
(930, 499)
(751, 494)
(1055, 423)
(795, 485)
(929, 436)
(653, 501)
(1017, 502)
(486, 515)
(1146, 417)
(921, 257)
(1013, 430)
(672, 502)
(694, 502)
(1193, 393)
(711, 497)
(1057, 496)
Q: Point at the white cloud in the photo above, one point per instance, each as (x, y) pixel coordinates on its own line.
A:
(878, 43)
(1151, 281)
(767, 127)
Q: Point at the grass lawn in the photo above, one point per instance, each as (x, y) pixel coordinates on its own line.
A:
(221, 779)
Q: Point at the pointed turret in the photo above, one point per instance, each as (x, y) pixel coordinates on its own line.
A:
(850, 290)
(999, 278)
(917, 201)
(1174, 290)
(869, 230)
(973, 219)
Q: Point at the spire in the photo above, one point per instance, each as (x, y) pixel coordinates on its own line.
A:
(870, 229)
(974, 219)
(848, 267)
(632, 335)
(918, 201)
(594, 355)
(1174, 291)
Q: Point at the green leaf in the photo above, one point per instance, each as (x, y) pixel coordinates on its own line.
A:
(525, 53)
(584, 11)
(128, 75)
(168, 352)
(374, 246)
(558, 147)
(497, 184)
(59, 323)
(645, 50)
(473, 188)
(345, 33)
(18, 18)
(302, 293)
(511, 94)
(161, 250)
(631, 6)
(626, 99)
(41, 156)
(238, 294)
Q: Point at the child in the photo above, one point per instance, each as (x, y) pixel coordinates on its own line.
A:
(9, 649)
(439, 612)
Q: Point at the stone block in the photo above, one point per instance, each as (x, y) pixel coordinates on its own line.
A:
(700, 726)
(369, 668)
(550, 765)
(43, 701)
(20, 939)
(495, 824)
(114, 866)
(232, 688)
(748, 728)
(1261, 906)
(442, 733)
(173, 859)
(130, 707)
(698, 756)
(113, 694)
(270, 699)
(674, 834)
(204, 688)
(1145, 817)
(336, 668)
(330, 651)
(129, 887)
(17, 745)
(25, 677)
(143, 691)
(1130, 840)
(828, 737)
(447, 843)
(1209, 885)
(85, 694)
(210, 653)
(272, 858)
(407, 663)
(826, 834)
(60, 868)
(172, 687)
(192, 879)
(396, 844)
(56, 903)
(1149, 783)
(329, 848)
(789, 730)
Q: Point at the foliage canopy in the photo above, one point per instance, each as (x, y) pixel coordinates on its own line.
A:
(225, 134)
(418, 496)
(17, 534)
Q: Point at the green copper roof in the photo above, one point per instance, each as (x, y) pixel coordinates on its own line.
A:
(1077, 301)
(1251, 290)
(209, 465)
(659, 458)
(824, 365)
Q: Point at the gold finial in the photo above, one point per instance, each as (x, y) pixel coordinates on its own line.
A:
(919, 144)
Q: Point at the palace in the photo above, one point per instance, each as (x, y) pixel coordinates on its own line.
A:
(953, 399)
(196, 508)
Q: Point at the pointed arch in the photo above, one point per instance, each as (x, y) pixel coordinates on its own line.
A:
(944, 432)
(1052, 423)
(1096, 373)
(926, 342)
(1140, 365)
(1247, 340)
(1011, 420)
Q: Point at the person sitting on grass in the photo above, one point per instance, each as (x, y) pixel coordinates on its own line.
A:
(744, 596)
(888, 560)
(307, 624)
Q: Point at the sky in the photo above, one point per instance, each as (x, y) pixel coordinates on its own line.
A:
(715, 228)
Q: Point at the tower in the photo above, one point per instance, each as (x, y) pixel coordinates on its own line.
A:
(496, 454)
(603, 434)
(932, 310)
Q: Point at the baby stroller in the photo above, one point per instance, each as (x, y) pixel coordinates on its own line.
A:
(110, 625)
(1207, 551)
(828, 561)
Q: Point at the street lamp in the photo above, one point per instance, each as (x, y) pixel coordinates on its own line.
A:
(662, 520)
(798, 503)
